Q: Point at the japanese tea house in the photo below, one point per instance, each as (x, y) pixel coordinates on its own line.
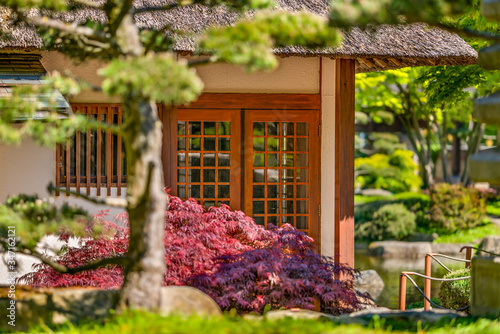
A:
(278, 146)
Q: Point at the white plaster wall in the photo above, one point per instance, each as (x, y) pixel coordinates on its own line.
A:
(54, 61)
(28, 168)
(294, 75)
(328, 83)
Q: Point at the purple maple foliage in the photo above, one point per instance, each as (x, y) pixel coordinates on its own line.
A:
(223, 253)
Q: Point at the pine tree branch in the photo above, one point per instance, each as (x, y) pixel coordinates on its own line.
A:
(469, 32)
(114, 202)
(118, 261)
(70, 28)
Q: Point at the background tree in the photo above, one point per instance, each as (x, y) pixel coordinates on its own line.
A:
(142, 70)
(434, 103)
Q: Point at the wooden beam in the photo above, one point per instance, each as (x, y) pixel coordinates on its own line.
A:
(395, 61)
(366, 62)
(169, 149)
(256, 101)
(344, 162)
(432, 61)
(380, 62)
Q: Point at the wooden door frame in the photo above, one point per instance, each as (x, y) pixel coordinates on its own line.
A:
(344, 161)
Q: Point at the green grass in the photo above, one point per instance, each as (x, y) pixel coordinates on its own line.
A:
(359, 199)
(136, 322)
(465, 236)
(493, 208)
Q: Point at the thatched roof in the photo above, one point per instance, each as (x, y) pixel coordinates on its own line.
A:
(389, 47)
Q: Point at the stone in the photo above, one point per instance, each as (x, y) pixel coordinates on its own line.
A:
(368, 278)
(489, 58)
(490, 9)
(485, 286)
(186, 301)
(396, 249)
(365, 302)
(491, 244)
(483, 166)
(369, 282)
(376, 192)
(425, 317)
(449, 249)
(28, 312)
(298, 314)
(76, 305)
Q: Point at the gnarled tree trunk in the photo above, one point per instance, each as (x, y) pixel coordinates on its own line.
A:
(147, 204)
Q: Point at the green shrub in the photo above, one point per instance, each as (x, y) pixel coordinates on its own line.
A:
(392, 221)
(396, 172)
(417, 203)
(454, 208)
(455, 294)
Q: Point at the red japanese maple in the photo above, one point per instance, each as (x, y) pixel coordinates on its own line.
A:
(223, 253)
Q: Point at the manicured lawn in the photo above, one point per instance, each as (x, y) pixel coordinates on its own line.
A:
(464, 236)
(150, 323)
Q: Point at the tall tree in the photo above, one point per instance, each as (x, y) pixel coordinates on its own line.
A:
(142, 70)
(430, 101)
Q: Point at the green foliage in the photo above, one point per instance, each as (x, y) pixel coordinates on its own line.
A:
(150, 78)
(366, 13)
(455, 294)
(59, 5)
(386, 143)
(420, 304)
(34, 218)
(415, 202)
(454, 208)
(493, 206)
(396, 172)
(250, 42)
(392, 221)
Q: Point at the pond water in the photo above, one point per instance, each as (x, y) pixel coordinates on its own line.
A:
(389, 270)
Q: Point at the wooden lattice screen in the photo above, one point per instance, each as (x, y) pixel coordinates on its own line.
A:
(93, 159)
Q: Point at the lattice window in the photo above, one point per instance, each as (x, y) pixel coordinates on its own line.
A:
(208, 157)
(93, 159)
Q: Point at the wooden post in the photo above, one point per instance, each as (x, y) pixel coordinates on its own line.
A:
(402, 292)
(344, 161)
(427, 282)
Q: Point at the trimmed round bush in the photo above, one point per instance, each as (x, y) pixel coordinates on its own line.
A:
(455, 207)
(392, 221)
(455, 294)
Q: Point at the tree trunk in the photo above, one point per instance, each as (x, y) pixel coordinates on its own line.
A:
(147, 204)
(456, 153)
(474, 141)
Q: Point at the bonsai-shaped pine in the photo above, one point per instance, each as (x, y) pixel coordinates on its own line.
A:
(142, 70)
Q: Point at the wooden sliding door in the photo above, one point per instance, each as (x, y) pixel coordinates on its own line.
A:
(259, 153)
(282, 168)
